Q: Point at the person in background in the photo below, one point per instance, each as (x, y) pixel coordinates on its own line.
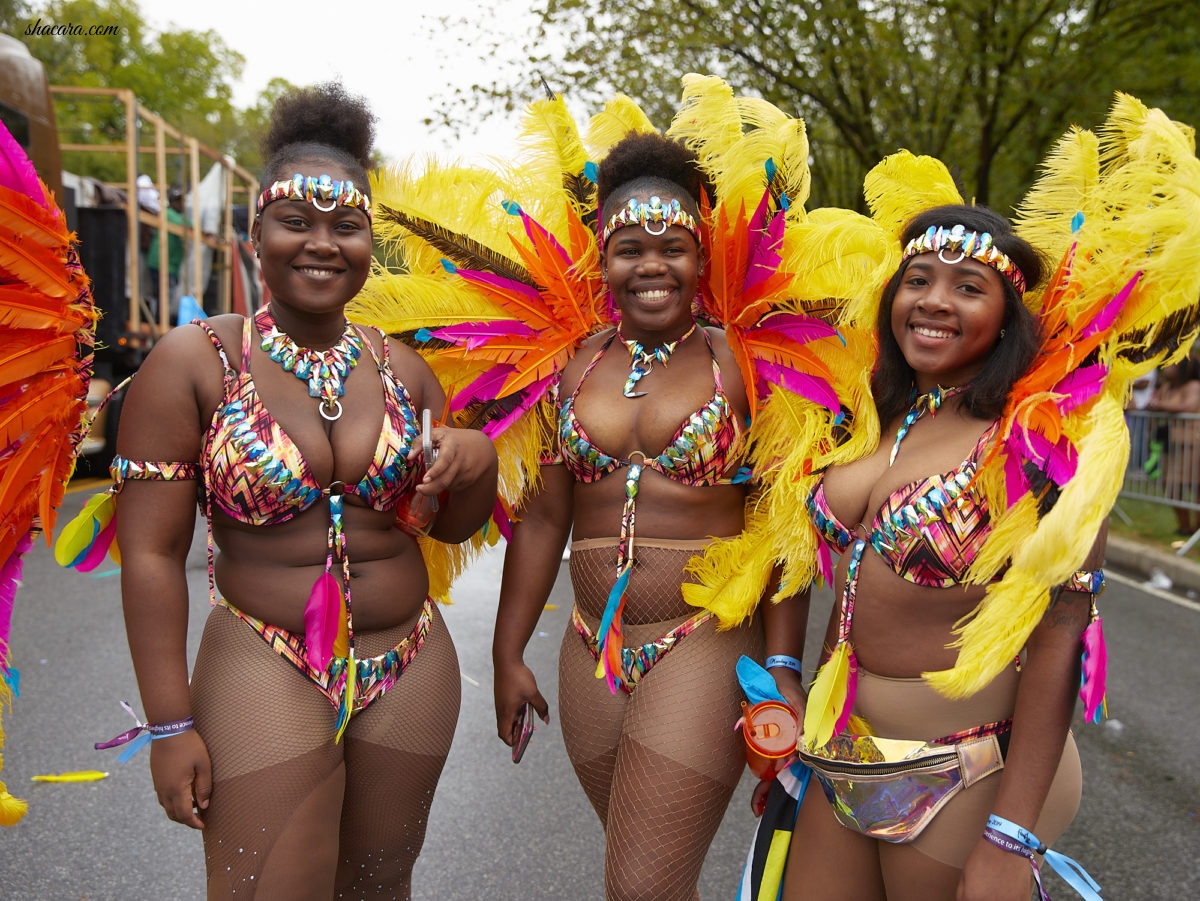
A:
(1177, 391)
(174, 216)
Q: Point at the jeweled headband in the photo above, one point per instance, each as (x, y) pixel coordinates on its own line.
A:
(976, 245)
(655, 217)
(321, 191)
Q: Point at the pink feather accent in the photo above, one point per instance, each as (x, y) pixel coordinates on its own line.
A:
(824, 562)
(529, 397)
(796, 326)
(1058, 461)
(322, 615)
(1016, 486)
(98, 549)
(500, 518)
(1111, 310)
(1092, 688)
(500, 283)
(485, 387)
(843, 719)
(17, 172)
(808, 386)
(477, 334)
(764, 252)
(1080, 385)
(10, 581)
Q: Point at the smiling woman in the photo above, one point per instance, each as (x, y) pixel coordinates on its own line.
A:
(652, 429)
(311, 736)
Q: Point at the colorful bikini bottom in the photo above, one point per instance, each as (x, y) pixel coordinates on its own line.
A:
(636, 662)
(373, 676)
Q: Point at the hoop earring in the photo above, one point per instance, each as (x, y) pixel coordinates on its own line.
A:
(1002, 333)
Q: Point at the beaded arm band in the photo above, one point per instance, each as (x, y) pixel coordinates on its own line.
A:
(142, 734)
(1087, 581)
(123, 470)
(1008, 836)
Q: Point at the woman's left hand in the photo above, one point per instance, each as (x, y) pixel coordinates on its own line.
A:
(461, 458)
(992, 874)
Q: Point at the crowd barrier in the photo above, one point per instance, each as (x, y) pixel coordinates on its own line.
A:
(1164, 462)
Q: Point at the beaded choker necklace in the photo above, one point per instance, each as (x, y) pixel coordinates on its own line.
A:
(922, 404)
(641, 361)
(324, 370)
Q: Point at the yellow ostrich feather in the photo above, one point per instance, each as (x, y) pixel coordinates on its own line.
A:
(1013, 607)
(902, 185)
(839, 253)
(709, 119)
(1068, 181)
(732, 573)
(620, 116)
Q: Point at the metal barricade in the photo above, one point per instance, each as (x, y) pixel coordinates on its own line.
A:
(1164, 461)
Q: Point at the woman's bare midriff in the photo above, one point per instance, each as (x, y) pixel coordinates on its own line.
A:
(268, 572)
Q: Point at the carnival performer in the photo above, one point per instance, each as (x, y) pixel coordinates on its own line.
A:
(326, 688)
(971, 538)
(652, 417)
(628, 315)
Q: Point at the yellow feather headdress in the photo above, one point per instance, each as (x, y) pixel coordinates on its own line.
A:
(1119, 208)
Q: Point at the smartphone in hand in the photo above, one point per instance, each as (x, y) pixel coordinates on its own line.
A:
(525, 727)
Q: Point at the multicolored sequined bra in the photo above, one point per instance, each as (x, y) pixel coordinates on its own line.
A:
(255, 473)
(929, 531)
(704, 452)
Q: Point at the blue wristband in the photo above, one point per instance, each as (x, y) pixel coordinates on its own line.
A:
(784, 660)
(1071, 872)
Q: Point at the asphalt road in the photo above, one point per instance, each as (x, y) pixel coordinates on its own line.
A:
(500, 831)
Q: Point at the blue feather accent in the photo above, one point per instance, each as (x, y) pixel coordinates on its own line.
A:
(511, 207)
(448, 266)
(614, 600)
(1077, 221)
(590, 171)
(423, 335)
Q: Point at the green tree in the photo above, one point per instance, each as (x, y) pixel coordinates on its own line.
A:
(184, 76)
(986, 87)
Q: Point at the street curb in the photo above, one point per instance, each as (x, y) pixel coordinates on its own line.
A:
(1142, 560)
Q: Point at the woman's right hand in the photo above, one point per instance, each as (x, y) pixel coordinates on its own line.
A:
(514, 686)
(182, 776)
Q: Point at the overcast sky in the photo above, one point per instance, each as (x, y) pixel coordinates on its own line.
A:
(390, 52)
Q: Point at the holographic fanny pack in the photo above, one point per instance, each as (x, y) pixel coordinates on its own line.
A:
(891, 789)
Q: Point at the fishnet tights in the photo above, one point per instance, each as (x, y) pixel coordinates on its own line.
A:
(659, 765)
(294, 815)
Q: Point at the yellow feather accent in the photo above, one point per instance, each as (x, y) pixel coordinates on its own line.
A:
(903, 185)
(827, 697)
(998, 629)
(11, 809)
(732, 573)
(620, 116)
(73, 776)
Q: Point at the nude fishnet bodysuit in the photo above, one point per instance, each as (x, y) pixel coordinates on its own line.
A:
(661, 764)
(294, 815)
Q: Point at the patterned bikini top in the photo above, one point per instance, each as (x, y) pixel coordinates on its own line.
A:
(256, 474)
(929, 531)
(705, 451)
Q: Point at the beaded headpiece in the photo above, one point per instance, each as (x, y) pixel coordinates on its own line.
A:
(655, 213)
(321, 191)
(976, 245)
